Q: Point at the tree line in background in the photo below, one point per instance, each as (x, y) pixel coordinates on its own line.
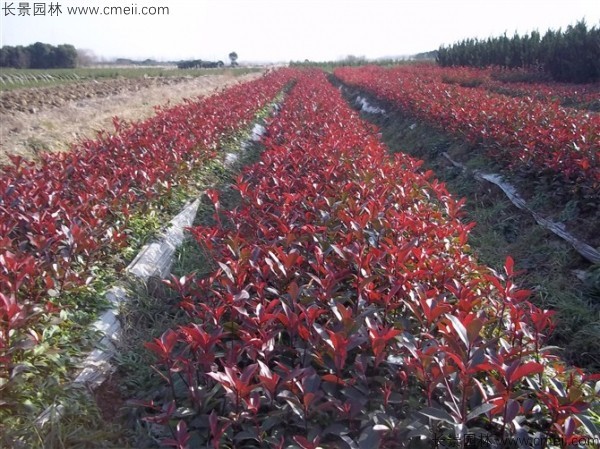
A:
(199, 64)
(572, 55)
(353, 61)
(38, 56)
(46, 56)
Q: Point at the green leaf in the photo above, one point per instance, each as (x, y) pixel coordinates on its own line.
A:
(588, 424)
(270, 422)
(438, 414)
(338, 251)
(422, 431)
(483, 408)
(369, 438)
(349, 441)
(248, 434)
(459, 328)
(293, 402)
(337, 429)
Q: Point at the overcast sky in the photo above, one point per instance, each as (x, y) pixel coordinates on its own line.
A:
(283, 30)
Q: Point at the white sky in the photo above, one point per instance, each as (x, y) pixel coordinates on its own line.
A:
(283, 30)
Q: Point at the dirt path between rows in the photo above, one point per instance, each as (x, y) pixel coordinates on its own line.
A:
(53, 118)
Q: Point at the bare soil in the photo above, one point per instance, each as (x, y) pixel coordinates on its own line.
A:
(53, 118)
(109, 399)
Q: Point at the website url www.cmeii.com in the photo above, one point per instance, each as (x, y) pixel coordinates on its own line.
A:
(26, 9)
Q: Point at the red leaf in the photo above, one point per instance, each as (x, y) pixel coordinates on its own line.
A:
(524, 370)
(509, 266)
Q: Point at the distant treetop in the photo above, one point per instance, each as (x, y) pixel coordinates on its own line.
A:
(38, 56)
(233, 57)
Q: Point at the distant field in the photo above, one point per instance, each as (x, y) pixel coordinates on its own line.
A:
(22, 78)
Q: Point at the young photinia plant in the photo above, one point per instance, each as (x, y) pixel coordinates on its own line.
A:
(57, 218)
(346, 311)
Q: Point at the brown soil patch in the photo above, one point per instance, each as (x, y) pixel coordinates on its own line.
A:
(109, 398)
(44, 119)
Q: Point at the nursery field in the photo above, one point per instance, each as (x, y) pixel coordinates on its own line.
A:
(328, 293)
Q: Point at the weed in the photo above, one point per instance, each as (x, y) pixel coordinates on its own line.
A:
(37, 146)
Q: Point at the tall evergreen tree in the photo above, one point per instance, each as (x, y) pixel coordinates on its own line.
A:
(571, 56)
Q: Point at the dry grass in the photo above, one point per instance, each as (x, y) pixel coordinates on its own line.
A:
(56, 129)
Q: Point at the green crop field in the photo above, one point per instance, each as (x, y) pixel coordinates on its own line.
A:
(23, 78)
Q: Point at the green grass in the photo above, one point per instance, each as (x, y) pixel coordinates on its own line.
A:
(41, 372)
(153, 307)
(11, 79)
(548, 263)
